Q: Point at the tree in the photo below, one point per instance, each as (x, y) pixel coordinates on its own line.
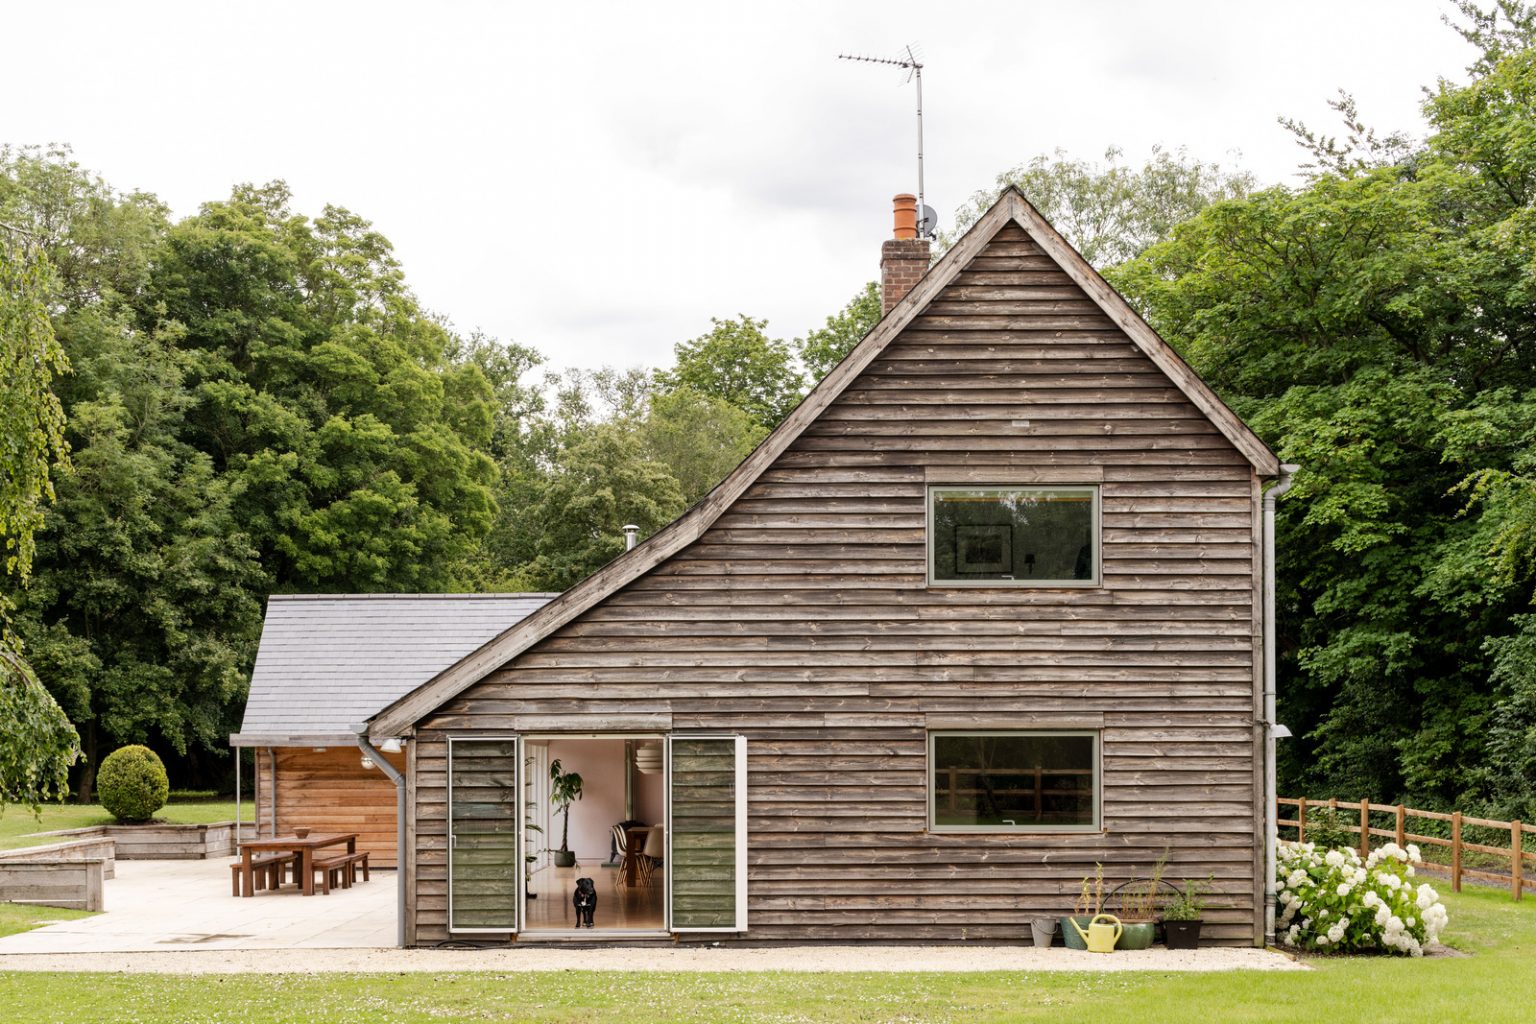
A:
(37, 743)
(1374, 325)
(573, 515)
(739, 364)
(825, 347)
(698, 438)
(1111, 212)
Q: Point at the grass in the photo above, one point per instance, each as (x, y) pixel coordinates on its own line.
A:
(1495, 983)
(19, 917)
(17, 823)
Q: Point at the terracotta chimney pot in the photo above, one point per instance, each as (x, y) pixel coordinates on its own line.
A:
(903, 259)
(906, 216)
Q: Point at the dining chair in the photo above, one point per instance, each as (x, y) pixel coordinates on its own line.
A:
(621, 843)
(654, 853)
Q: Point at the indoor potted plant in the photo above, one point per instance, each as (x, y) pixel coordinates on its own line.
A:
(1090, 901)
(564, 788)
(1181, 917)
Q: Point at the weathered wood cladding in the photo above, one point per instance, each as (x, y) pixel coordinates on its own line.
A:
(802, 619)
(330, 791)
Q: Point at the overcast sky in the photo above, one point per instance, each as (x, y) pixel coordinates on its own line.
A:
(598, 179)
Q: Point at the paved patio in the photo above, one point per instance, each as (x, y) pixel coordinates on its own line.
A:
(159, 905)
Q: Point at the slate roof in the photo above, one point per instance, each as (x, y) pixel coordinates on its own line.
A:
(328, 662)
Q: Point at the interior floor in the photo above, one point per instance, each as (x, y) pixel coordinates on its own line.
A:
(619, 907)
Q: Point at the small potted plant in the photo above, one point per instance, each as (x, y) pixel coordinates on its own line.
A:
(1181, 917)
(1090, 902)
(1137, 905)
(564, 789)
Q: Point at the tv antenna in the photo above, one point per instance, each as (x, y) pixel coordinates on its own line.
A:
(927, 220)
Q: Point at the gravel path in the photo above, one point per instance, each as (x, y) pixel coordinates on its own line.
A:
(814, 959)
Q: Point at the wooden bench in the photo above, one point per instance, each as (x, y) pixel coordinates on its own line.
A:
(340, 870)
(266, 872)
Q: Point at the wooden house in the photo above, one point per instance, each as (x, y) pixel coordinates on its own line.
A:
(985, 611)
(326, 663)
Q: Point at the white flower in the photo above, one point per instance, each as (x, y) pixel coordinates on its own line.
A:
(1321, 914)
(1344, 888)
(1335, 858)
(1291, 933)
(1414, 855)
(1391, 881)
(1336, 933)
(1427, 897)
(1322, 940)
(1382, 914)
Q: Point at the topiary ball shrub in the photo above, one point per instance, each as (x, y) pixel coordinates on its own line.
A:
(132, 783)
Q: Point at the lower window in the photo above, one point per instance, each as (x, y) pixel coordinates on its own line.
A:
(1011, 781)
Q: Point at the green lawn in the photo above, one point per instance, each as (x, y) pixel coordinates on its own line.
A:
(16, 917)
(1496, 983)
(17, 823)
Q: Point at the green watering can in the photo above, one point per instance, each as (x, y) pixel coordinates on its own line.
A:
(1101, 938)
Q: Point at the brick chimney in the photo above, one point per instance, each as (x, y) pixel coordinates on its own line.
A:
(903, 259)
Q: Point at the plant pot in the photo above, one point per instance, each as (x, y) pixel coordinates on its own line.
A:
(1042, 930)
(1136, 935)
(1070, 935)
(1182, 934)
(565, 858)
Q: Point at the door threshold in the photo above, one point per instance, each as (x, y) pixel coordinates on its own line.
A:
(589, 934)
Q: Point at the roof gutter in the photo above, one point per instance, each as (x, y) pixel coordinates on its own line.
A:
(1271, 809)
(382, 763)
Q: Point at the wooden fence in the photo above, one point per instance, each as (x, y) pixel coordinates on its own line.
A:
(1455, 822)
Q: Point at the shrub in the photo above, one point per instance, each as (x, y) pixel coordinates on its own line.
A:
(132, 783)
(1331, 900)
(1327, 828)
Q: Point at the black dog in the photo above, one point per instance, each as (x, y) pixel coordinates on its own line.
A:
(585, 901)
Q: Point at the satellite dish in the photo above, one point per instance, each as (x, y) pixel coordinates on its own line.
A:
(927, 222)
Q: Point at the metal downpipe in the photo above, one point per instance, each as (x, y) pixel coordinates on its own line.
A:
(1271, 829)
(382, 763)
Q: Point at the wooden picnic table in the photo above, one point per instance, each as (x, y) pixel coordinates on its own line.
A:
(304, 847)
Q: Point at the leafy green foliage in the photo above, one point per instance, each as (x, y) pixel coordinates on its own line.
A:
(258, 404)
(825, 347)
(132, 783)
(739, 364)
(1328, 828)
(37, 742)
(1375, 326)
(1111, 212)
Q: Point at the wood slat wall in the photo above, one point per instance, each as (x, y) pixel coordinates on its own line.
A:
(330, 791)
(803, 620)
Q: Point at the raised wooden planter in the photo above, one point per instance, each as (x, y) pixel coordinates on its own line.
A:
(164, 842)
(95, 848)
(72, 884)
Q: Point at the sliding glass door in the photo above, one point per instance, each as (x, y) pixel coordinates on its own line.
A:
(484, 834)
(707, 837)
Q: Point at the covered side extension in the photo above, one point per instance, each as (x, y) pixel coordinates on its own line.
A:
(327, 662)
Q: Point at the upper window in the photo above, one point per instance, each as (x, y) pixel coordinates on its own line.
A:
(1013, 781)
(1013, 536)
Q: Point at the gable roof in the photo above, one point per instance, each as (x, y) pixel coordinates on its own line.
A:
(328, 662)
(1011, 207)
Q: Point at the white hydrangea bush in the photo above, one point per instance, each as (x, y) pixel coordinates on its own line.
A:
(1332, 900)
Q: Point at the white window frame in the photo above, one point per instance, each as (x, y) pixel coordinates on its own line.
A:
(1096, 530)
(1096, 825)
